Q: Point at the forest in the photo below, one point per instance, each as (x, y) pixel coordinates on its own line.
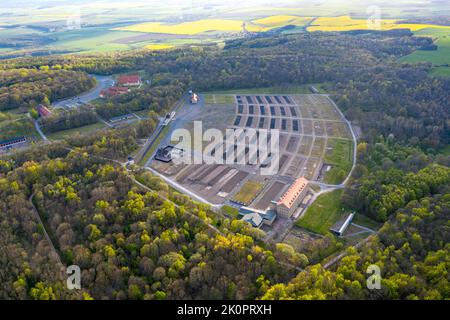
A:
(69, 119)
(28, 87)
(136, 238)
(412, 249)
(132, 242)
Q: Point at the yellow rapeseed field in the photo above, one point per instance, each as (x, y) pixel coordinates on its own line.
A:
(346, 23)
(342, 23)
(282, 20)
(159, 46)
(192, 27)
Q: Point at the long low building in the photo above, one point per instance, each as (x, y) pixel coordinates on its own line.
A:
(291, 199)
(339, 227)
(5, 144)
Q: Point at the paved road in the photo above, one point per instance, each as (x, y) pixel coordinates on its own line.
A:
(38, 129)
(148, 144)
(185, 112)
(103, 82)
(353, 136)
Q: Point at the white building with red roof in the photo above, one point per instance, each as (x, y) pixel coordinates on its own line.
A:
(292, 198)
(43, 111)
(194, 98)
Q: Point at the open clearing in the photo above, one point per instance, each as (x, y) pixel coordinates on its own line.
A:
(218, 99)
(312, 133)
(326, 211)
(323, 213)
(440, 58)
(340, 156)
(81, 130)
(16, 127)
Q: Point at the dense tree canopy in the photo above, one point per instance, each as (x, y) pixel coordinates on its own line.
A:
(134, 242)
(28, 87)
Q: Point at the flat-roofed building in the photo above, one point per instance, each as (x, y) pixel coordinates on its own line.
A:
(194, 98)
(10, 143)
(254, 219)
(339, 227)
(291, 199)
(257, 217)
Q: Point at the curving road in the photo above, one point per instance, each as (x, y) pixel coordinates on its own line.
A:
(353, 138)
(103, 82)
(330, 187)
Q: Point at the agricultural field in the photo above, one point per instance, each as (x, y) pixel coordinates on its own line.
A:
(440, 58)
(218, 25)
(91, 40)
(278, 21)
(117, 26)
(347, 23)
(192, 27)
(159, 46)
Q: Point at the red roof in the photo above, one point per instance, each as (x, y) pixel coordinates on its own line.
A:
(293, 192)
(126, 80)
(43, 111)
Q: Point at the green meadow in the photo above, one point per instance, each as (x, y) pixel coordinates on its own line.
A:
(440, 58)
(323, 213)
